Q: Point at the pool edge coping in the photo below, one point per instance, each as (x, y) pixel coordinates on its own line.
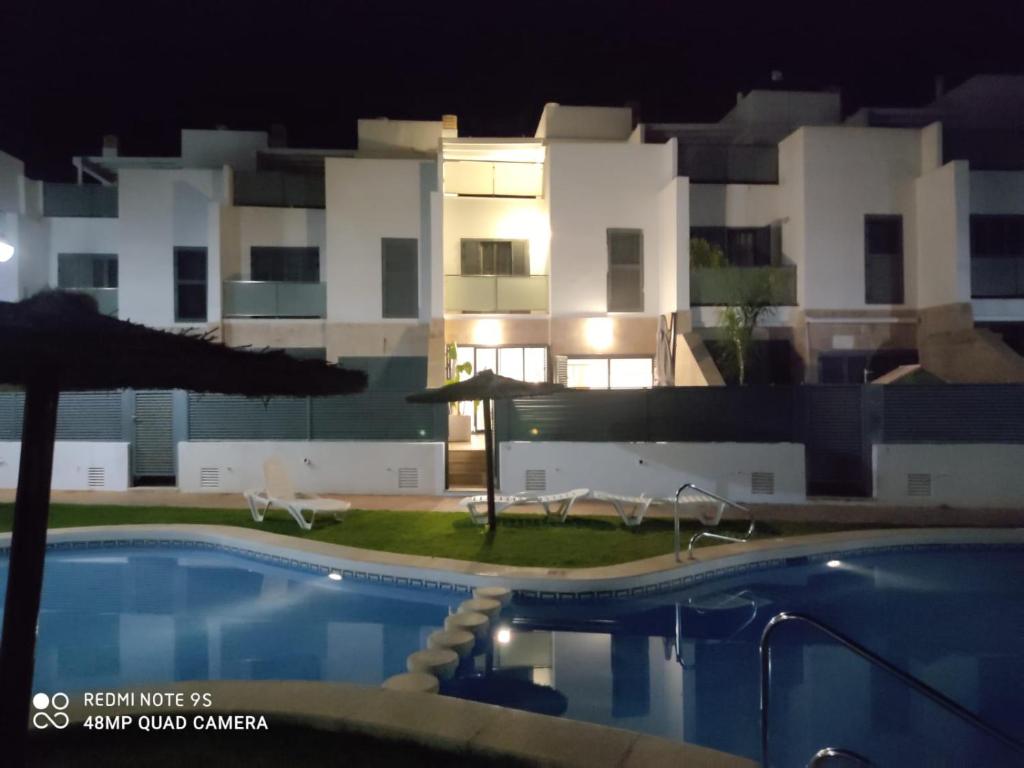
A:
(633, 578)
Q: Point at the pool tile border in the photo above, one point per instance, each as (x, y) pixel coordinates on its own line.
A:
(639, 585)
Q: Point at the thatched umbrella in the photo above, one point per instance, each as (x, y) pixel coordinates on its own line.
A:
(58, 341)
(485, 386)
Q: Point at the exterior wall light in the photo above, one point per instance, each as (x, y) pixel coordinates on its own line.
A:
(599, 333)
(6, 251)
(504, 635)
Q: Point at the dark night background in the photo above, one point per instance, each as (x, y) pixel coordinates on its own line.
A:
(73, 71)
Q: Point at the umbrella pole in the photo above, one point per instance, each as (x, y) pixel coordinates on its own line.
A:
(25, 573)
(492, 518)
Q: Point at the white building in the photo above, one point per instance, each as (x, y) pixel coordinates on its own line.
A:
(890, 236)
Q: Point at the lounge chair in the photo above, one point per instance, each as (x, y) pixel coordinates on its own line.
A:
(555, 505)
(630, 508)
(278, 491)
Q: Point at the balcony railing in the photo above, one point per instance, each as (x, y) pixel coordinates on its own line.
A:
(277, 189)
(496, 293)
(716, 286)
(997, 277)
(91, 201)
(265, 298)
(106, 298)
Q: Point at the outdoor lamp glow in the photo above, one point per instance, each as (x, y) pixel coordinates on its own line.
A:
(6, 250)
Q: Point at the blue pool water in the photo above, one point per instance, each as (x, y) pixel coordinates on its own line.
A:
(682, 665)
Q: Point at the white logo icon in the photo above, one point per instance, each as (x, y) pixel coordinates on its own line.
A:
(42, 718)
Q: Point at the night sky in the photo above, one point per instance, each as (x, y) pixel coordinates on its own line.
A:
(72, 71)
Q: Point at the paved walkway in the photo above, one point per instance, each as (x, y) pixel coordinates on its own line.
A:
(824, 510)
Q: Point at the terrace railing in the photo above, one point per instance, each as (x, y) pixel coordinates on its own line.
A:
(719, 286)
(274, 299)
(496, 293)
(106, 298)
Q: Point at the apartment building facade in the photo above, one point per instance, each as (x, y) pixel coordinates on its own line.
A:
(564, 256)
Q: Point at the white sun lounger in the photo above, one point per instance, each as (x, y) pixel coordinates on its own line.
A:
(278, 491)
(630, 508)
(555, 505)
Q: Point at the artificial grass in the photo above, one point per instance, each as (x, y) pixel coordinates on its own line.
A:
(526, 540)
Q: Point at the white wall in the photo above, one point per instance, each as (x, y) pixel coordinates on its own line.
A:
(12, 171)
(214, 149)
(360, 466)
(943, 273)
(500, 218)
(674, 246)
(558, 121)
(367, 200)
(961, 475)
(81, 235)
(847, 173)
(594, 187)
(72, 460)
(161, 209)
(657, 469)
(735, 205)
(381, 135)
(244, 227)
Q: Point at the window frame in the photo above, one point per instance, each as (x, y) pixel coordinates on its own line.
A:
(108, 259)
(191, 281)
(869, 256)
(608, 365)
(1003, 253)
(610, 233)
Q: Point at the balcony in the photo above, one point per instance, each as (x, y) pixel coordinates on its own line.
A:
(106, 298)
(89, 201)
(496, 293)
(265, 298)
(718, 286)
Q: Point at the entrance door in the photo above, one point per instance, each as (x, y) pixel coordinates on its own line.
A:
(153, 440)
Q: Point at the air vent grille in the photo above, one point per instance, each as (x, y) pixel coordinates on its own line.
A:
(408, 477)
(919, 484)
(209, 477)
(762, 483)
(96, 477)
(536, 479)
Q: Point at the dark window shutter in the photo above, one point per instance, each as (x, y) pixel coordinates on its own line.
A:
(625, 271)
(400, 277)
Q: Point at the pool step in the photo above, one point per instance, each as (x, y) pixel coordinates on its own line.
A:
(467, 469)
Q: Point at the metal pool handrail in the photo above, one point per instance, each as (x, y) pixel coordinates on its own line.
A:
(705, 534)
(821, 757)
(851, 645)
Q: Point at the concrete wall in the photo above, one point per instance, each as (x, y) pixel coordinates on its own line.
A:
(381, 135)
(593, 188)
(848, 173)
(244, 227)
(213, 149)
(12, 171)
(72, 460)
(943, 273)
(657, 469)
(360, 466)
(367, 200)
(674, 246)
(735, 205)
(558, 121)
(961, 475)
(498, 218)
(161, 209)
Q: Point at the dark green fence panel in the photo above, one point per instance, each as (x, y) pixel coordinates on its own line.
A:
(953, 413)
(12, 406)
(722, 414)
(232, 417)
(80, 416)
(376, 416)
(585, 416)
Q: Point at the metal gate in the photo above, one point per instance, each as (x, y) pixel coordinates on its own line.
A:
(838, 451)
(153, 443)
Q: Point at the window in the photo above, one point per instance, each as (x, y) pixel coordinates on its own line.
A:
(625, 270)
(190, 284)
(522, 363)
(285, 265)
(883, 259)
(495, 257)
(997, 256)
(400, 276)
(87, 270)
(741, 246)
(610, 372)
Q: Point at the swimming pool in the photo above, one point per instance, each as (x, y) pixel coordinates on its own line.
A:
(680, 664)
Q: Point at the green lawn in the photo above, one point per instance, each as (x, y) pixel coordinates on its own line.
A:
(520, 539)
